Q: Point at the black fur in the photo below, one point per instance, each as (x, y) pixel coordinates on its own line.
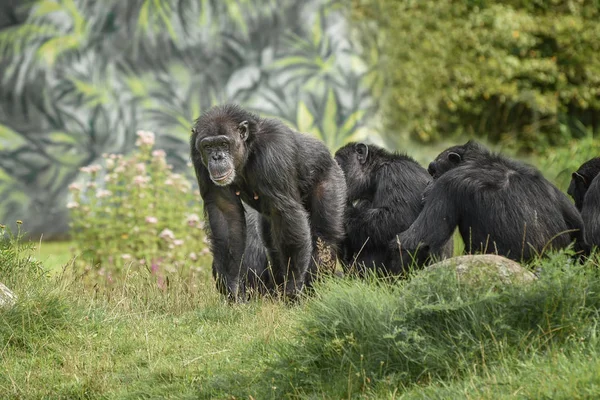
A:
(255, 265)
(384, 197)
(585, 190)
(500, 206)
(289, 178)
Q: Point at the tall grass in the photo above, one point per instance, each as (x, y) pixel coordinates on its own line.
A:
(430, 336)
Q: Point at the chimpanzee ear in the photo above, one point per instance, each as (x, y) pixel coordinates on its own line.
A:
(579, 178)
(454, 157)
(362, 151)
(244, 130)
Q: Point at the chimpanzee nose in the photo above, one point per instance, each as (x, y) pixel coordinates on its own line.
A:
(217, 157)
(431, 169)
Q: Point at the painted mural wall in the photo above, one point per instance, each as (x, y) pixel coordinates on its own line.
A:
(79, 78)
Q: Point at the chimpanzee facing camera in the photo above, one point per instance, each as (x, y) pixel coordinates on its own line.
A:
(290, 178)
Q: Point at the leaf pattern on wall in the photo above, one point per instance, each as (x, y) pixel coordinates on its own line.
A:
(80, 78)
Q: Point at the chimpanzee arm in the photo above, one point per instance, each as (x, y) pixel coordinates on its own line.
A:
(372, 225)
(435, 224)
(573, 220)
(227, 232)
(591, 215)
(291, 235)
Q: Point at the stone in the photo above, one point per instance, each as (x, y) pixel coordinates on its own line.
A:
(7, 297)
(486, 267)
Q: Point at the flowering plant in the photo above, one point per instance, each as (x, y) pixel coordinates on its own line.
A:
(134, 214)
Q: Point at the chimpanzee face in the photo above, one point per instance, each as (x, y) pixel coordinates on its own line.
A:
(353, 159)
(582, 179)
(222, 148)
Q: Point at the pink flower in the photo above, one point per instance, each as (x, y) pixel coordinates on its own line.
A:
(75, 187)
(193, 220)
(141, 180)
(193, 256)
(110, 163)
(102, 193)
(145, 138)
(178, 242)
(126, 257)
(167, 234)
(91, 169)
(72, 204)
(140, 168)
(151, 220)
(159, 153)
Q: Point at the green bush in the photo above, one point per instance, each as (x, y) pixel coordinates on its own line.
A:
(134, 214)
(16, 261)
(355, 334)
(558, 163)
(514, 71)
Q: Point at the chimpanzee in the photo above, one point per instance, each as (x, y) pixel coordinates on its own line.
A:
(585, 190)
(499, 205)
(255, 276)
(290, 178)
(384, 198)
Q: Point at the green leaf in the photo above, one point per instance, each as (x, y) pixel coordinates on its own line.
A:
(10, 139)
(304, 119)
(43, 8)
(62, 138)
(329, 119)
(351, 122)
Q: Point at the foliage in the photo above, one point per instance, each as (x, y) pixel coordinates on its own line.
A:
(136, 214)
(435, 328)
(16, 261)
(513, 71)
(558, 163)
(79, 78)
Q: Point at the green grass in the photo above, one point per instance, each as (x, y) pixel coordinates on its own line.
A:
(428, 337)
(53, 255)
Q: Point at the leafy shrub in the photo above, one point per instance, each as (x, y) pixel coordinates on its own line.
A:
(558, 163)
(16, 262)
(135, 214)
(513, 70)
(356, 334)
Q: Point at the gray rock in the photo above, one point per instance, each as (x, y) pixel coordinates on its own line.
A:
(489, 268)
(7, 297)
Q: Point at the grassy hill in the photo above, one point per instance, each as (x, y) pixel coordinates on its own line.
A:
(431, 336)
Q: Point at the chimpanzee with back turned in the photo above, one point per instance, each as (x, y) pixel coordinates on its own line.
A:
(500, 206)
(585, 190)
(384, 197)
(290, 178)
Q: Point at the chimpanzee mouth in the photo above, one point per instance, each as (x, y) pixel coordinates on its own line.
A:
(223, 179)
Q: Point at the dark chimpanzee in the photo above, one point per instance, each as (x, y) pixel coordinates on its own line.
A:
(254, 271)
(499, 205)
(585, 190)
(290, 178)
(384, 197)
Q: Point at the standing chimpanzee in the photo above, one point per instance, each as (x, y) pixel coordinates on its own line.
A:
(384, 197)
(499, 205)
(288, 177)
(585, 190)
